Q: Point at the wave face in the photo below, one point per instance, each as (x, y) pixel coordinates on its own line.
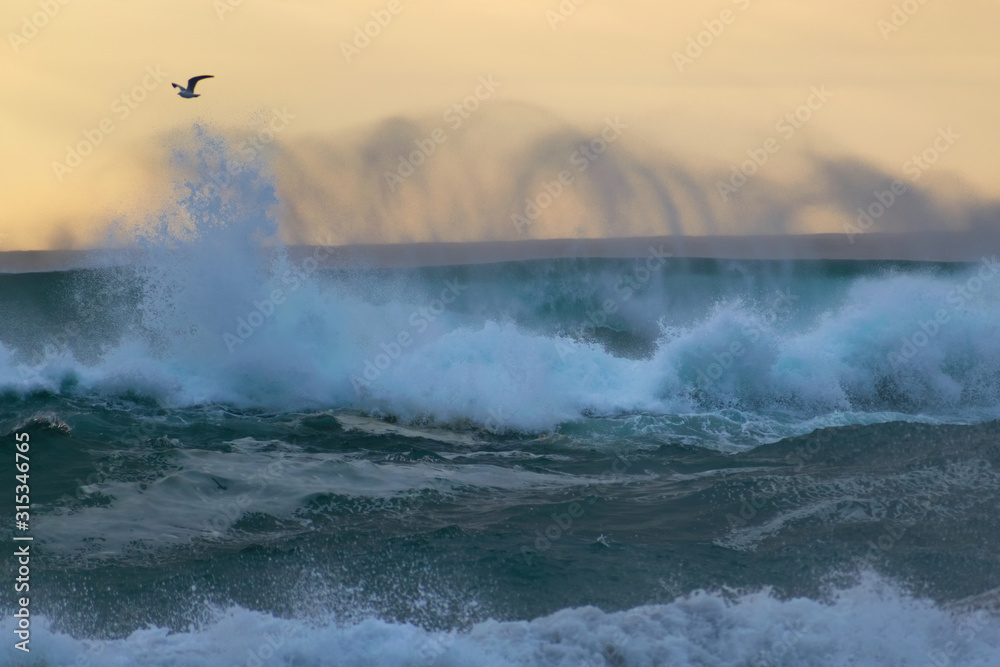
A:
(212, 309)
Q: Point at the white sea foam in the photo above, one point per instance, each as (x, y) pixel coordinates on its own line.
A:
(502, 376)
(871, 624)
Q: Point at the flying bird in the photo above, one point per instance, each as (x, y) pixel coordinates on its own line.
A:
(188, 93)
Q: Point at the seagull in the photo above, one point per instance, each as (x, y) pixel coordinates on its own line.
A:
(188, 93)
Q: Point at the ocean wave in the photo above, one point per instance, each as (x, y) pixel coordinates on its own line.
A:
(328, 349)
(871, 623)
(211, 308)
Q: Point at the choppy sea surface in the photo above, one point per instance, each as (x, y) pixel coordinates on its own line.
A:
(241, 458)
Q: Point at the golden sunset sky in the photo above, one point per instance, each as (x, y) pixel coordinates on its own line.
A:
(895, 79)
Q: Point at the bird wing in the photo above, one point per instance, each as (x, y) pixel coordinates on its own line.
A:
(195, 79)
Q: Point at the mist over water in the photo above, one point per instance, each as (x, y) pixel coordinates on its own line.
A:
(505, 171)
(513, 172)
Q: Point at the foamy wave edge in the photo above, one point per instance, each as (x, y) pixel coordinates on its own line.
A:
(871, 623)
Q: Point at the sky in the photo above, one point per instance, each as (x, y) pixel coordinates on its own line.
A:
(694, 88)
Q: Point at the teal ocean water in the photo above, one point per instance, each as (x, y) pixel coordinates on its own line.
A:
(244, 457)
